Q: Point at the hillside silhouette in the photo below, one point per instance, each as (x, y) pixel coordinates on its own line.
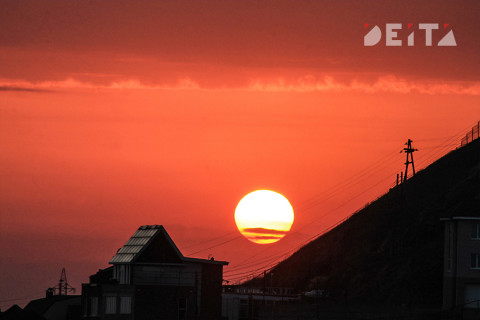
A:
(391, 251)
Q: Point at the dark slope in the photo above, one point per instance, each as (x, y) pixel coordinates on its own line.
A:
(391, 251)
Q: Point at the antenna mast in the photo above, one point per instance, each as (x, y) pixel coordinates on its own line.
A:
(63, 287)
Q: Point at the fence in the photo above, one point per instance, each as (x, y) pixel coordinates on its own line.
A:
(471, 135)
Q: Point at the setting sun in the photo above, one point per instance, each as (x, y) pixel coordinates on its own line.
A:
(264, 216)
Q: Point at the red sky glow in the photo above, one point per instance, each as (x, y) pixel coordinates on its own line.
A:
(116, 114)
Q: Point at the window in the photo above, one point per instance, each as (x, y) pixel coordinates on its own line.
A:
(125, 305)
(111, 305)
(182, 308)
(122, 273)
(475, 261)
(475, 231)
(94, 306)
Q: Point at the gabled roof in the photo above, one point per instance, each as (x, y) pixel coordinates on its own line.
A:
(136, 244)
(151, 243)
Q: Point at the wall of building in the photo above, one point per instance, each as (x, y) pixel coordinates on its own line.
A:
(465, 247)
(164, 302)
(461, 281)
(211, 291)
(172, 291)
(175, 275)
(97, 294)
(449, 265)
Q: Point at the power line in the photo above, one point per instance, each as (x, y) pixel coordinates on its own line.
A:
(281, 255)
(318, 234)
(285, 255)
(443, 147)
(319, 198)
(315, 220)
(353, 180)
(242, 266)
(214, 246)
(210, 240)
(347, 183)
(24, 298)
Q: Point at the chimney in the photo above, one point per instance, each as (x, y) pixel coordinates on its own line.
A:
(49, 293)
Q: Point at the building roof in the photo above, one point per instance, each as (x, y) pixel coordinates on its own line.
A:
(151, 243)
(41, 305)
(53, 306)
(17, 313)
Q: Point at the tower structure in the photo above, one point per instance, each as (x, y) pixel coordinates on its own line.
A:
(409, 150)
(63, 288)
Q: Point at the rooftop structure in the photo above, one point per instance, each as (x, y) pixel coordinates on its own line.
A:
(150, 278)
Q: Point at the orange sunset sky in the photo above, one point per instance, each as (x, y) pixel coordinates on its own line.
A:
(116, 114)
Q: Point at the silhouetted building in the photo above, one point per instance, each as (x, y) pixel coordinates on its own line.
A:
(244, 303)
(461, 277)
(151, 279)
(17, 313)
(57, 307)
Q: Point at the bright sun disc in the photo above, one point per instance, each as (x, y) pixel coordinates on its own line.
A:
(264, 216)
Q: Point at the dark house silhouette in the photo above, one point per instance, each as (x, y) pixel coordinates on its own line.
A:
(56, 307)
(151, 279)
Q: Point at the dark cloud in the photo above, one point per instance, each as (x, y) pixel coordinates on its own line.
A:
(264, 230)
(303, 36)
(265, 237)
(21, 89)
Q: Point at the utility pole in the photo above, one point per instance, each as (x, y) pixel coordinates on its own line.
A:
(409, 150)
